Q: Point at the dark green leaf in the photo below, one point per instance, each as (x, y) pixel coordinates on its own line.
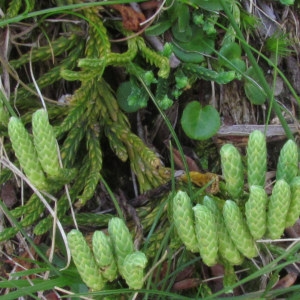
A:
(230, 56)
(210, 4)
(200, 123)
(187, 56)
(253, 90)
(124, 91)
(182, 35)
(158, 28)
(184, 18)
(229, 51)
(199, 42)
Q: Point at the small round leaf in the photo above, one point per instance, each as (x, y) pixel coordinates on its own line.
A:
(200, 123)
(230, 56)
(123, 93)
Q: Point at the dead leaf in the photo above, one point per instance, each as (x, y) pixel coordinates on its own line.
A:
(286, 281)
(8, 194)
(131, 19)
(179, 163)
(186, 284)
(202, 179)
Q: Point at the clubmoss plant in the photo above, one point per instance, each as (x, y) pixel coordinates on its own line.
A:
(232, 169)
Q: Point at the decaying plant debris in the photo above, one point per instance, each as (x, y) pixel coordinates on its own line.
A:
(126, 87)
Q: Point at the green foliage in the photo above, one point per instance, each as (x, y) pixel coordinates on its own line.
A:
(201, 72)
(79, 126)
(278, 44)
(209, 5)
(294, 208)
(4, 116)
(162, 97)
(133, 271)
(256, 211)
(131, 97)
(287, 167)
(13, 8)
(26, 153)
(85, 261)
(287, 2)
(184, 220)
(253, 90)
(232, 235)
(227, 249)
(103, 252)
(95, 159)
(45, 143)
(207, 234)
(238, 229)
(154, 58)
(121, 241)
(230, 57)
(193, 37)
(232, 169)
(256, 158)
(278, 208)
(112, 256)
(91, 121)
(39, 158)
(159, 27)
(200, 123)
